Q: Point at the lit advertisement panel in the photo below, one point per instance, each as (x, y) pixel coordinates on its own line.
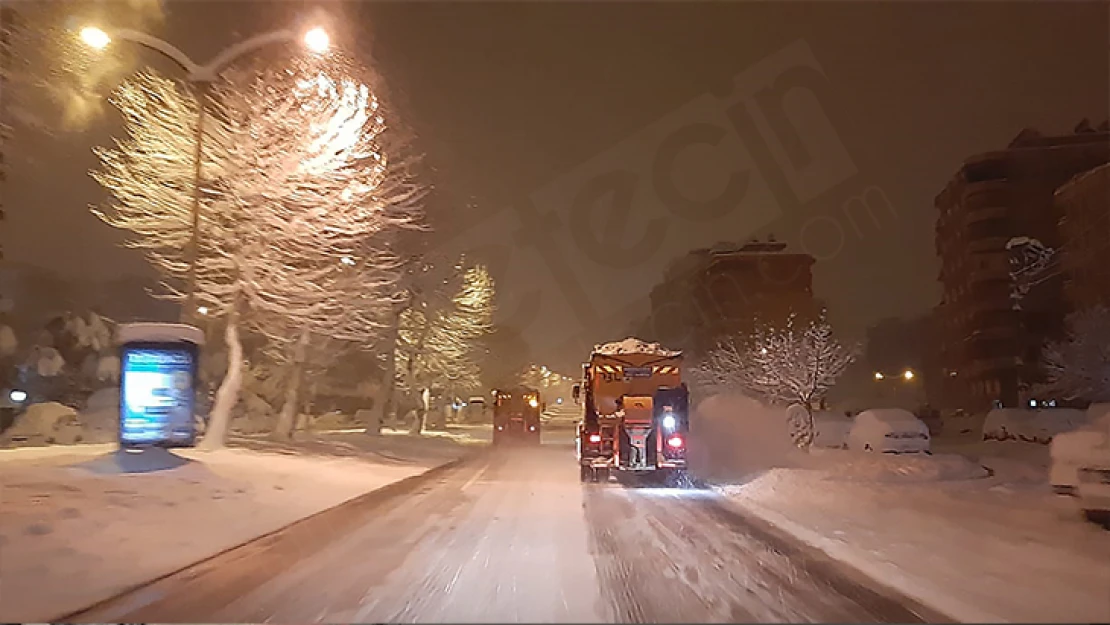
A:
(157, 394)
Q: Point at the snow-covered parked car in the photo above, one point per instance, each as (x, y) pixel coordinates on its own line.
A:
(1081, 464)
(1031, 426)
(888, 430)
(1087, 445)
(831, 429)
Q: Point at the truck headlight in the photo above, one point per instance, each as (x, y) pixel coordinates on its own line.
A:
(17, 396)
(669, 422)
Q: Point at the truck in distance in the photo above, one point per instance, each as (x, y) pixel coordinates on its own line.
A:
(516, 415)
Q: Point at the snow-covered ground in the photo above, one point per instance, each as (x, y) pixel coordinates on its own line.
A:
(71, 537)
(941, 529)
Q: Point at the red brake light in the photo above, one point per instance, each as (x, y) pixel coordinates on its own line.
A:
(675, 441)
(595, 438)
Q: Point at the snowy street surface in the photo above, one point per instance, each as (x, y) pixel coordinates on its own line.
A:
(512, 536)
(70, 537)
(998, 549)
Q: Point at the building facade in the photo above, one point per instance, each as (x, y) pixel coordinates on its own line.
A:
(990, 339)
(711, 294)
(1083, 204)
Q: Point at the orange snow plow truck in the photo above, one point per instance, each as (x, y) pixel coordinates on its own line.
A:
(635, 412)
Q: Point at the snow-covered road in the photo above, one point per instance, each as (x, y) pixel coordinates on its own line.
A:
(514, 537)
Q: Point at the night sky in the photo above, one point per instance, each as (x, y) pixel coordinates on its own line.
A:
(521, 106)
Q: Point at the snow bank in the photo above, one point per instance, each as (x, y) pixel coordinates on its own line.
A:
(72, 537)
(733, 437)
(831, 430)
(1034, 426)
(56, 424)
(44, 424)
(977, 550)
(835, 464)
(634, 346)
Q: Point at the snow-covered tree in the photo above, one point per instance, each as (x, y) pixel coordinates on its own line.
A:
(1078, 367)
(297, 185)
(788, 365)
(440, 347)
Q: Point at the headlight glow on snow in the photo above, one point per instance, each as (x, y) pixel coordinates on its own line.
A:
(17, 396)
(669, 422)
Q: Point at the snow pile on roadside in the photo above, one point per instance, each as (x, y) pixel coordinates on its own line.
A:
(1034, 426)
(52, 423)
(44, 424)
(734, 437)
(71, 537)
(977, 550)
(831, 430)
(854, 466)
(634, 346)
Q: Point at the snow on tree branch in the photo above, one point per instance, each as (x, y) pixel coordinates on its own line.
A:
(299, 201)
(439, 346)
(794, 364)
(1078, 367)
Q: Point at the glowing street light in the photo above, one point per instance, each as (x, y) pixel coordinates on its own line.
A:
(763, 351)
(95, 38)
(879, 376)
(347, 260)
(908, 375)
(317, 40)
(202, 310)
(201, 78)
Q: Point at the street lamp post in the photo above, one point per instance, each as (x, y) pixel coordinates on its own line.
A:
(200, 78)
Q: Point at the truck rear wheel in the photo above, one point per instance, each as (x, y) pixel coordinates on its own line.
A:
(602, 476)
(584, 473)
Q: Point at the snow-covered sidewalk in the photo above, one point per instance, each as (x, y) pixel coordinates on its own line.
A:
(978, 549)
(70, 537)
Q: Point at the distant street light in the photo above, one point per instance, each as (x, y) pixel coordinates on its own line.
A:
(202, 310)
(879, 376)
(201, 78)
(763, 351)
(908, 375)
(347, 260)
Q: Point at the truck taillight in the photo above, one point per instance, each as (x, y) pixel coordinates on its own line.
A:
(675, 442)
(595, 438)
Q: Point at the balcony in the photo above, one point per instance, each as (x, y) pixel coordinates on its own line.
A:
(995, 318)
(986, 347)
(989, 243)
(986, 193)
(986, 213)
(978, 368)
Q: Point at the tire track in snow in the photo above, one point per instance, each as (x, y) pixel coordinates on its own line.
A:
(677, 556)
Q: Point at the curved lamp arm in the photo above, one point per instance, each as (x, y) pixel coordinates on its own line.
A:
(164, 48)
(210, 71)
(223, 59)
